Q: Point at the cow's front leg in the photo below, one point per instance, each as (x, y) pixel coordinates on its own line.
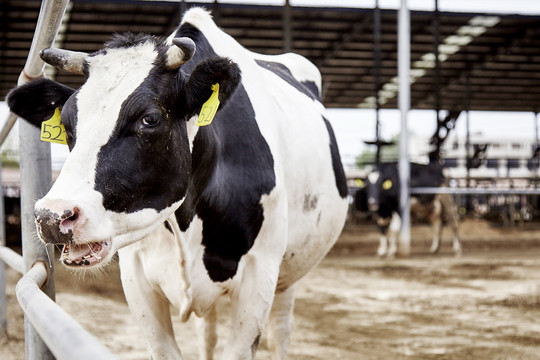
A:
(151, 309)
(436, 225)
(251, 305)
(382, 224)
(207, 334)
(393, 232)
(280, 323)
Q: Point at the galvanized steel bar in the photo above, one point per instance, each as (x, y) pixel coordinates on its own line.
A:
(404, 101)
(8, 125)
(12, 259)
(3, 296)
(64, 336)
(474, 191)
(35, 166)
(377, 75)
(287, 27)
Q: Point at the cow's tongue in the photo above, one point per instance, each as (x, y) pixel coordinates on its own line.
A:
(76, 252)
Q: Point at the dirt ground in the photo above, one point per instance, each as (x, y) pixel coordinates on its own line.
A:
(483, 305)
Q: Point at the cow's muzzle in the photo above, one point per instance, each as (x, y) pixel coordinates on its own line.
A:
(56, 226)
(373, 206)
(59, 222)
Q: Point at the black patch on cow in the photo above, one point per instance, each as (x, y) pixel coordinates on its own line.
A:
(69, 120)
(36, 101)
(308, 88)
(146, 162)
(145, 167)
(339, 173)
(232, 168)
(430, 175)
(49, 225)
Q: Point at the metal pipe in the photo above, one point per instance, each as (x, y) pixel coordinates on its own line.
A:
(437, 79)
(537, 148)
(404, 65)
(35, 166)
(3, 295)
(287, 32)
(12, 259)
(64, 336)
(8, 125)
(377, 75)
(474, 191)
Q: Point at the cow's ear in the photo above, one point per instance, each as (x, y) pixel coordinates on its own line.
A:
(209, 72)
(36, 100)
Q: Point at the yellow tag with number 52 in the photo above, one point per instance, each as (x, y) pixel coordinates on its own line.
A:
(52, 130)
(209, 108)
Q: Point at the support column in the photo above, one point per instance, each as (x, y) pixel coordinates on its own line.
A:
(3, 296)
(35, 167)
(404, 66)
(377, 75)
(287, 31)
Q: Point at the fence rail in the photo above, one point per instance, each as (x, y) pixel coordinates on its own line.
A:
(475, 191)
(64, 336)
(49, 331)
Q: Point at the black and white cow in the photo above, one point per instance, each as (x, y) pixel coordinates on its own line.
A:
(245, 206)
(383, 191)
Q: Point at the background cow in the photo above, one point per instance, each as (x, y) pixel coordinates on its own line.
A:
(243, 207)
(383, 190)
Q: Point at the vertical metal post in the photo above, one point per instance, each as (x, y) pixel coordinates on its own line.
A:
(536, 145)
(216, 12)
(468, 160)
(35, 167)
(183, 7)
(404, 66)
(3, 297)
(437, 77)
(287, 31)
(377, 74)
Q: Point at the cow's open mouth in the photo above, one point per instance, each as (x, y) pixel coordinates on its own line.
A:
(88, 254)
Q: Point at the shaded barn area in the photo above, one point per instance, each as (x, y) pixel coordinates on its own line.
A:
(483, 305)
(499, 55)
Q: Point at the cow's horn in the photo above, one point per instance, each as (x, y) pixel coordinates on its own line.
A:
(70, 61)
(179, 54)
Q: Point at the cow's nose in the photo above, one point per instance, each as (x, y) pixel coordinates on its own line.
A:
(57, 221)
(372, 204)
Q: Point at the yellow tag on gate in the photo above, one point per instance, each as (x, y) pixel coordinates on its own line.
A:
(52, 130)
(209, 108)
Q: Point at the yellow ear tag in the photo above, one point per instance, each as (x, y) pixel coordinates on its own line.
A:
(387, 184)
(209, 108)
(360, 183)
(52, 130)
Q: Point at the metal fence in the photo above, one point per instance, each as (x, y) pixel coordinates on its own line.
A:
(49, 331)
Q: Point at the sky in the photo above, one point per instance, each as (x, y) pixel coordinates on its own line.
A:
(354, 126)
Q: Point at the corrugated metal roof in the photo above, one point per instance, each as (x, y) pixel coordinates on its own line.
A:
(499, 55)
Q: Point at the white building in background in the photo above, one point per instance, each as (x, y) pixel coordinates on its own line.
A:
(504, 157)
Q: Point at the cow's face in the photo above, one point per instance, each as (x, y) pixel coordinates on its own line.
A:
(383, 192)
(129, 128)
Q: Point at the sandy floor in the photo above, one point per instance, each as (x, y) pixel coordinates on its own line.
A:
(484, 305)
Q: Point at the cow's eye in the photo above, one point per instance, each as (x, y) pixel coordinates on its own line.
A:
(150, 120)
(387, 184)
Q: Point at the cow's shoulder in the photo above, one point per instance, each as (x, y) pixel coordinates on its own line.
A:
(233, 168)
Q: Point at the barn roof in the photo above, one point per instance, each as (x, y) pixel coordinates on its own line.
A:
(497, 56)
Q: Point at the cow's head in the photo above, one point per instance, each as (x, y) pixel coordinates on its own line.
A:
(382, 189)
(129, 129)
